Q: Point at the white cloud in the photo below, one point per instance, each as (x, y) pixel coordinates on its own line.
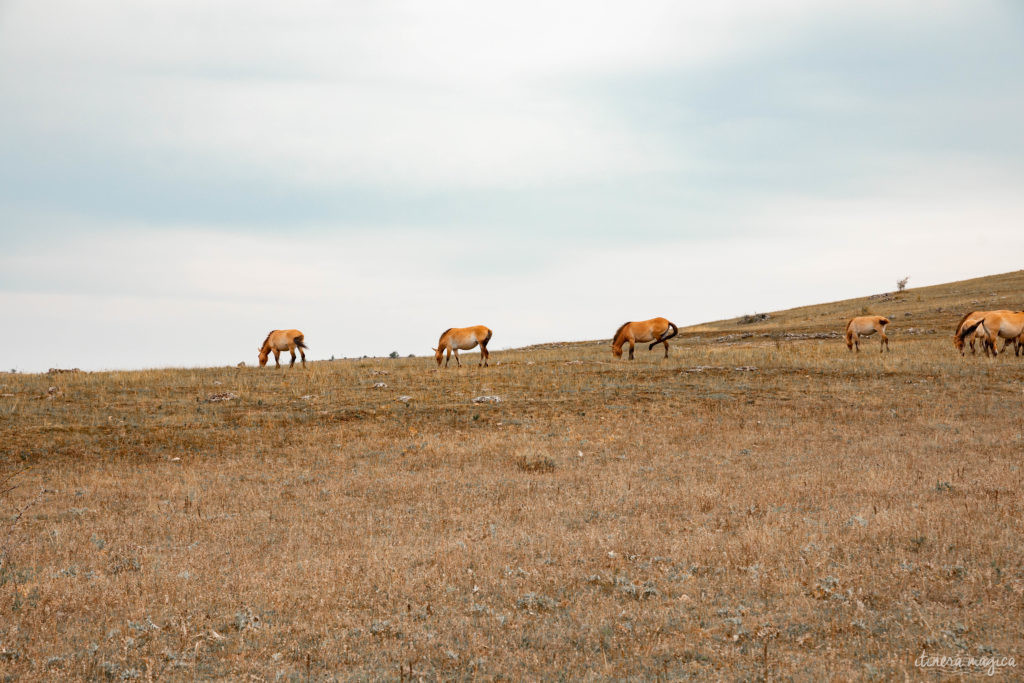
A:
(423, 95)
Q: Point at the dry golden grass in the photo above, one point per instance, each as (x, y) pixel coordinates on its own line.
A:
(824, 514)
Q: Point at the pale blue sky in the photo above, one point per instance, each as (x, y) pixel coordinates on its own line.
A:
(234, 167)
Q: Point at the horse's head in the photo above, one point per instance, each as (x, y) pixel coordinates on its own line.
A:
(618, 340)
(437, 356)
(263, 356)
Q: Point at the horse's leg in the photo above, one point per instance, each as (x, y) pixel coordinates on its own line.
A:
(302, 352)
(277, 358)
(666, 347)
(447, 355)
(483, 353)
(291, 350)
(632, 345)
(456, 352)
(884, 343)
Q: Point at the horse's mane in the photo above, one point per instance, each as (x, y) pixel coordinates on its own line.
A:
(268, 337)
(961, 323)
(616, 335)
(446, 332)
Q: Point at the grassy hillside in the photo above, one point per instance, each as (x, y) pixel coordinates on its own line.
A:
(938, 307)
(757, 507)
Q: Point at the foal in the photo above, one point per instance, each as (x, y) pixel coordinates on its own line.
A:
(865, 326)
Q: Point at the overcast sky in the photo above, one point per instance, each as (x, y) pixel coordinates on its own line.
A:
(177, 178)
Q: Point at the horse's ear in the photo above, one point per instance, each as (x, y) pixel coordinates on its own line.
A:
(432, 348)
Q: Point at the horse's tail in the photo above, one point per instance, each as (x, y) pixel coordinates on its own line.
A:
(665, 337)
(299, 341)
(966, 330)
(487, 339)
(990, 340)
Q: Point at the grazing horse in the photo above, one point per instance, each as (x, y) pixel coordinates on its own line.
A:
(455, 339)
(959, 339)
(979, 333)
(865, 326)
(283, 340)
(996, 324)
(655, 330)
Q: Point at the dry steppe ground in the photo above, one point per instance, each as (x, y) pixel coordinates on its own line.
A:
(755, 506)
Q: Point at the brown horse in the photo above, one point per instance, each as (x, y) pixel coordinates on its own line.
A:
(865, 326)
(654, 330)
(996, 324)
(455, 339)
(283, 340)
(979, 333)
(959, 339)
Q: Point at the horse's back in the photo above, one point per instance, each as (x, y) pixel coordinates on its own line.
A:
(282, 339)
(867, 324)
(644, 331)
(465, 338)
(1007, 324)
